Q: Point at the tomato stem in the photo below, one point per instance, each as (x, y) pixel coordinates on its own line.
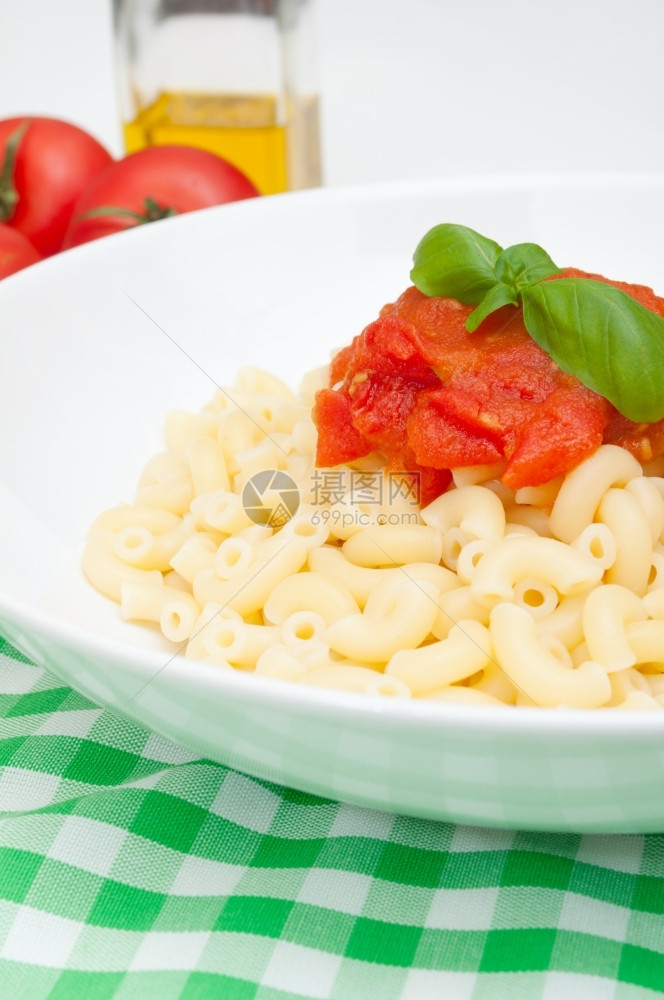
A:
(9, 196)
(153, 212)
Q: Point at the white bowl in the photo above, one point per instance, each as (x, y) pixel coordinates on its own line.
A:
(86, 380)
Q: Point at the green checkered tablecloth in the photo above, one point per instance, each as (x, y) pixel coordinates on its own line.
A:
(131, 869)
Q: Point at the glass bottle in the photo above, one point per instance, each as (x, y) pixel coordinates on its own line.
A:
(235, 77)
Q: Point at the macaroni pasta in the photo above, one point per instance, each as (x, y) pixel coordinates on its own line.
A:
(247, 557)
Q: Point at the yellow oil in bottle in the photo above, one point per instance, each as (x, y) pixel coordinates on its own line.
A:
(242, 128)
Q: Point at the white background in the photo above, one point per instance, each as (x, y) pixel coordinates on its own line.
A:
(409, 88)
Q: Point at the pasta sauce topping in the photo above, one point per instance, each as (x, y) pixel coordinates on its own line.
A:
(417, 386)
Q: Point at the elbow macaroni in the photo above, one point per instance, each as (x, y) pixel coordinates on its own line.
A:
(553, 596)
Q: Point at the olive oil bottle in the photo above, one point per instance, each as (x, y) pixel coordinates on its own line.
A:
(233, 77)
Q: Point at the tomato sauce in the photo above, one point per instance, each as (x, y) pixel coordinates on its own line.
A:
(416, 386)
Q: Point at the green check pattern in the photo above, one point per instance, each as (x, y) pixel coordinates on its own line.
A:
(130, 869)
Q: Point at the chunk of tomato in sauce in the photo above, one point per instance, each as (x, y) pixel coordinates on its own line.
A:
(565, 429)
(340, 442)
(439, 442)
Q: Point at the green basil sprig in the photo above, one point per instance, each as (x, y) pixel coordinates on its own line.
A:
(594, 331)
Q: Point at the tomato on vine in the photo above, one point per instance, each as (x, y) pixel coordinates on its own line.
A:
(153, 184)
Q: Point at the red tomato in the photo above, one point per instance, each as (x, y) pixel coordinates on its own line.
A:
(46, 163)
(153, 184)
(16, 251)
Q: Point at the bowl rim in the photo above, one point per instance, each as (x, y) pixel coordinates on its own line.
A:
(368, 191)
(517, 722)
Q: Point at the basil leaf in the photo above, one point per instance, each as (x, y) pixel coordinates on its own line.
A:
(499, 295)
(523, 264)
(456, 262)
(606, 338)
